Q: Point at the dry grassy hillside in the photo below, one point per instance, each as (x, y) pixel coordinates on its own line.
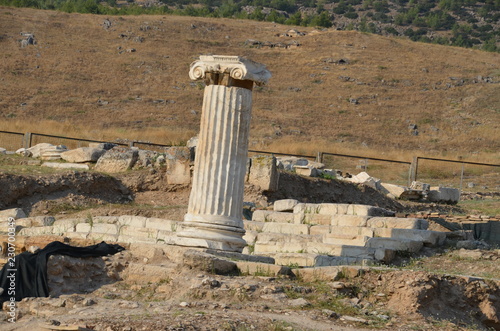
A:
(81, 80)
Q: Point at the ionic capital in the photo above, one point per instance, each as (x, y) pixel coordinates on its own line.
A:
(236, 67)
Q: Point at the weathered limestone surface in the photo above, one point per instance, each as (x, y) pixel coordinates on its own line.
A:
(83, 154)
(264, 173)
(286, 205)
(58, 165)
(178, 160)
(443, 194)
(15, 213)
(116, 160)
(214, 217)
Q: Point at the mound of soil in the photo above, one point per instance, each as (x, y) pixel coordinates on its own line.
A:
(27, 192)
(317, 190)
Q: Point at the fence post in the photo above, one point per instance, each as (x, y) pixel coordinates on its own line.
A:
(461, 178)
(27, 140)
(414, 169)
(319, 158)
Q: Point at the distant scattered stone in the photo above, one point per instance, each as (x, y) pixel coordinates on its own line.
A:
(118, 159)
(83, 154)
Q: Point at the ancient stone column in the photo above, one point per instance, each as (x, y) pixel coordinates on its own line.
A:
(214, 217)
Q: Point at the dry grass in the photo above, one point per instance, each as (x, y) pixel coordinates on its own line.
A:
(76, 63)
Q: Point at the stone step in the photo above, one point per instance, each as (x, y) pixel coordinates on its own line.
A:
(402, 245)
(272, 216)
(398, 223)
(271, 243)
(340, 209)
(429, 238)
(315, 260)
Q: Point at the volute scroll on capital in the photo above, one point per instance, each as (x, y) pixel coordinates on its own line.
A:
(236, 67)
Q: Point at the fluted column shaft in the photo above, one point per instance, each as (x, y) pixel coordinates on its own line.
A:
(221, 156)
(215, 211)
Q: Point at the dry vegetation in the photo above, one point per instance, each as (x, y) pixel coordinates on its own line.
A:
(55, 86)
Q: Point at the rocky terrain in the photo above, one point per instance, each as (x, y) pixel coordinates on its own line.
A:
(162, 287)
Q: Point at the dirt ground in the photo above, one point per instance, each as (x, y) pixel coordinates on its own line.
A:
(193, 298)
(445, 289)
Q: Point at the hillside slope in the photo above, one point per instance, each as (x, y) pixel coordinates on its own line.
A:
(131, 80)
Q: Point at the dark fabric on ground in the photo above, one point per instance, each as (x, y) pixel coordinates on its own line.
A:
(31, 274)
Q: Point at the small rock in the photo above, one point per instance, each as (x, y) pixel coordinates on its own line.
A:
(184, 304)
(300, 302)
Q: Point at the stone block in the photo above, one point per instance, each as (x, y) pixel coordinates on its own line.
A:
(103, 228)
(385, 255)
(443, 195)
(285, 205)
(63, 226)
(300, 259)
(319, 229)
(313, 219)
(365, 179)
(264, 173)
(15, 213)
(250, 237)
(36, 150)
(343, 209)
(398, 222)
(280, 247)
(42, 220)
(106, 219)
(36, 231)
(305, 171)
(161, 224)
(351, 231)
(58, 165)
(345, 239)
(83, 154)
(350, 220)
(286, 228)
(262, 269)
(272, 216)
(99, 236)
(325, 261)
(178, 161)
(429, 238)
(202, 261)
(166, 237)
(135, 221)
(83, 228)
(301, 207)
(365, 210)
(116, 160)
(395, 244)
(141, 233)
(253, 226)
(135, 240)
(52, 152)
(392, 191)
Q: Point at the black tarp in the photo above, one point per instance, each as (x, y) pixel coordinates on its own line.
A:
(30, 275)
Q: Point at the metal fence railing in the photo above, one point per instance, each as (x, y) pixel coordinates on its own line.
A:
(465, 175)
(461, 174)
(11, 140)
(395, 171)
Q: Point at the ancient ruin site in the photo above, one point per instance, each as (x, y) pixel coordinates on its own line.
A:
(210, 234)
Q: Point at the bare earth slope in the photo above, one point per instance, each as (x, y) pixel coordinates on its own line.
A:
(131, 81)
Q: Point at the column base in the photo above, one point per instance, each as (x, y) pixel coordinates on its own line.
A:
(212, 236)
